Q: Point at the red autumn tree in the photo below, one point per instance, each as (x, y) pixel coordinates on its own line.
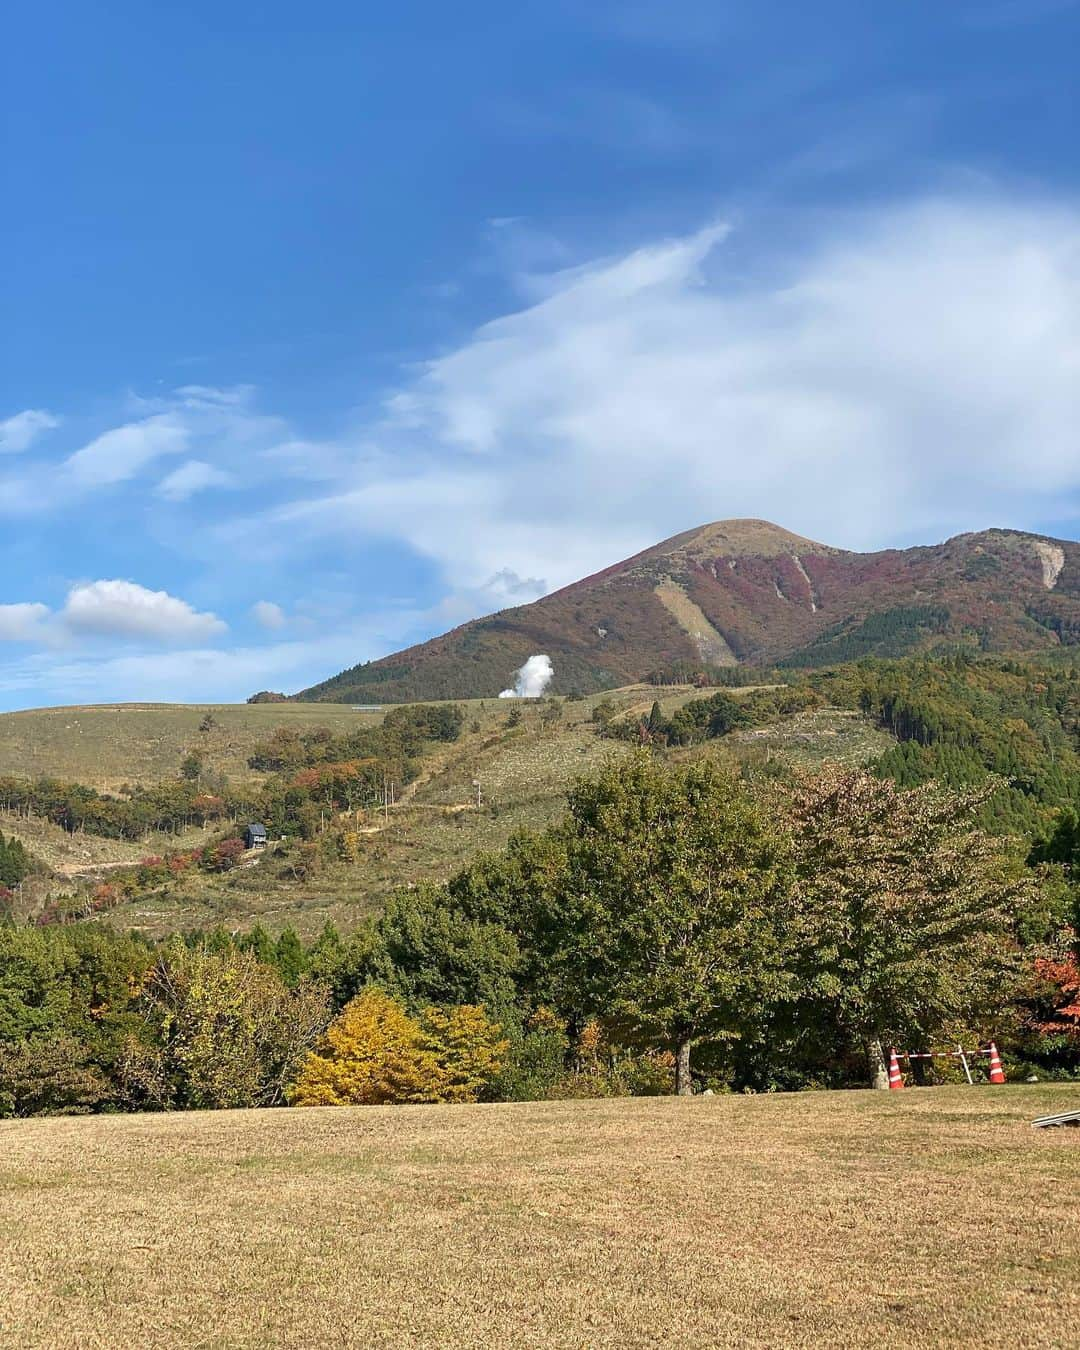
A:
(1061, 993)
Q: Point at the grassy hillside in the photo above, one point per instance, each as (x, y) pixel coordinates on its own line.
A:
(928, 1218)
(435, 826)
(431, 831)
(956, 719)
(107, 745)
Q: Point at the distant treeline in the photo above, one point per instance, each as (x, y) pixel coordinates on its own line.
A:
(959, 718)
(705, 719)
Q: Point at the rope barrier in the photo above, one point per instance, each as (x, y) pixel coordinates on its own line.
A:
(997, 1074)
(939, 1054)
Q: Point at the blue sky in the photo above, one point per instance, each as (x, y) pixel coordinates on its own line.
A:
(326, 328)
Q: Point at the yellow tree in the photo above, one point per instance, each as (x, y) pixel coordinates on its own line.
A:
(372, 1053)
(469, 1047)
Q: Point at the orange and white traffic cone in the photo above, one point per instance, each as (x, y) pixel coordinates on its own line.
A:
(997, 1073)
(896, 1078)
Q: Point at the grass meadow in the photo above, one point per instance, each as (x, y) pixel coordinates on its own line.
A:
(935, 1217)
(107, 745)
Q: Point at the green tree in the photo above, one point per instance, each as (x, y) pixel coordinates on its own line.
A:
(428, 951)
(289, 957)
(259, 943)
(536, 1059)
(904, 915)
(668, 924)
(15, 861)
(67, 1006)
(1061, 846)
(191, 766)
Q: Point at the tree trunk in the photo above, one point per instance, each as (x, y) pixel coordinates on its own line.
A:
(683, 1085)
(879, 1077)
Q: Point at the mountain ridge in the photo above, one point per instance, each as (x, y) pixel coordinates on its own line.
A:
(747, 592)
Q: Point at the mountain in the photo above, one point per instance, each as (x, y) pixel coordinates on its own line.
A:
(747, 592)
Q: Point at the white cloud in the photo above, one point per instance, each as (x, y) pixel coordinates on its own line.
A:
(896, 374)
(268, 615)
(18, 433)
(121, 453)
(213, 396)
(125, 609)
(23, 622)
(910, 372)
(220, 424)
(508, 586)
(200, 673)
(193, 476)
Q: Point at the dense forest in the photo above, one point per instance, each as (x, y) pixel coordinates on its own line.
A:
(959, 719)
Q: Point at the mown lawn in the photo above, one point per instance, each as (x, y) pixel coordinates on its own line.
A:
(928, 1218)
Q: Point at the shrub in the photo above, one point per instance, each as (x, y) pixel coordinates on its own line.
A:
(225, 1031)
(536, 1060)
(469, 1048)
(224, 856)
(50, 1076)
(373, 1053)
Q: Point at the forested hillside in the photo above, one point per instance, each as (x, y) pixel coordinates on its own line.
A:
(386, 801)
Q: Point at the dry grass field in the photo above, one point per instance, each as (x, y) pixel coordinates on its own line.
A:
(931, 1218)
(108, 745)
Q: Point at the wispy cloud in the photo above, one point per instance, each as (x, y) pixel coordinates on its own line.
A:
(911, 369)
(19, 433)
(222, 424)
(121, 453)
(191, 477)
(267, 614)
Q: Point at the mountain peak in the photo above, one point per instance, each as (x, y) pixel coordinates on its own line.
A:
(740, 537)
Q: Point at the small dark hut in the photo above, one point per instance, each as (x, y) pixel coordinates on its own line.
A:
(255, 836)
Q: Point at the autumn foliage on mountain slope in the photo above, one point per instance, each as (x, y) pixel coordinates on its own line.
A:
(760, 593)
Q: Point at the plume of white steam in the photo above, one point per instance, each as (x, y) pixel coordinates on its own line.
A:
(532, 679)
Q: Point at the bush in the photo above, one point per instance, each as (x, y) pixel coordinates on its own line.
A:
(223, 857)
(50, 1076)
(469, 1048)
(536, 1060)
(224, 1030)
(374, 1053)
